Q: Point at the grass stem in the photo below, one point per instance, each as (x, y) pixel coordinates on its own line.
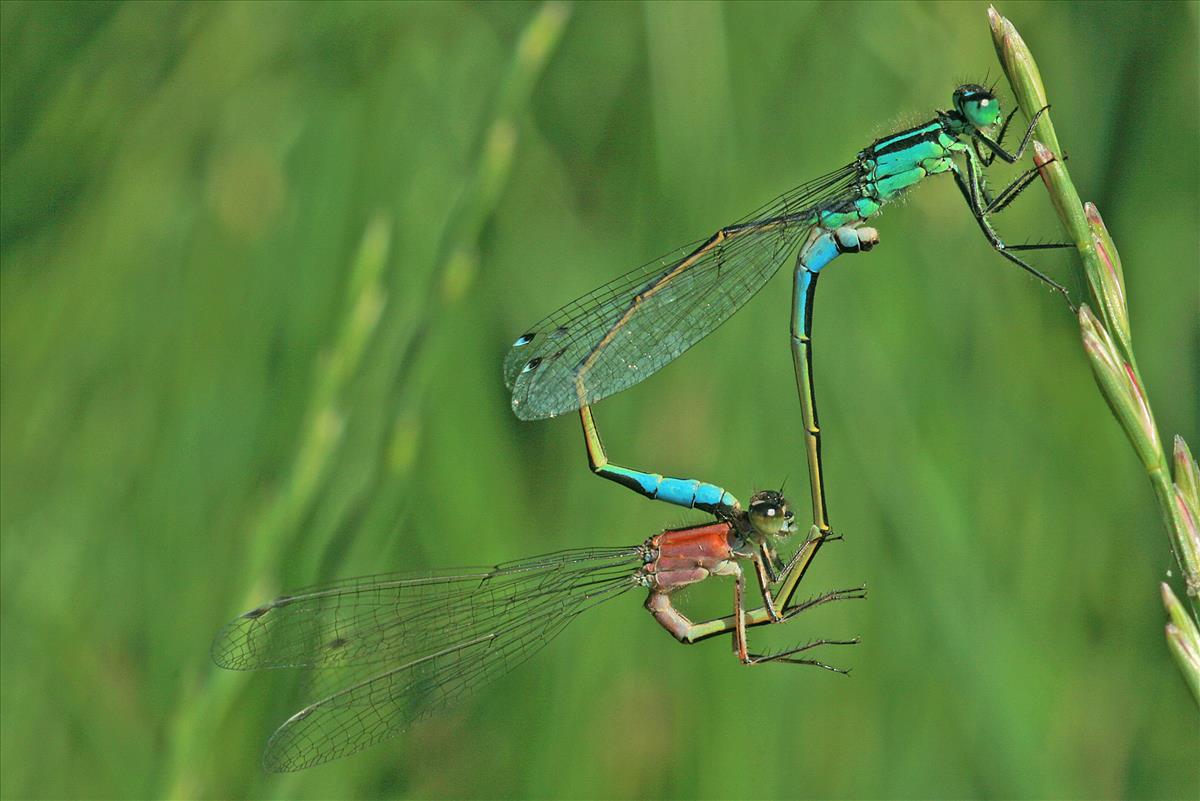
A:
(1108, 343)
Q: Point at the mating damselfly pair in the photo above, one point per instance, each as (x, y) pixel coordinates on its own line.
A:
(409, 644)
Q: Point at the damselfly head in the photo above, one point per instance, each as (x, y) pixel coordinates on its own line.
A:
(770, 514)
(977, 104)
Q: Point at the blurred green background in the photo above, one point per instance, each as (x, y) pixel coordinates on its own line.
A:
(261, 263)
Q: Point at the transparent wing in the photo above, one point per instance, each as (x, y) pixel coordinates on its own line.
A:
(622, 332)
(413, 643)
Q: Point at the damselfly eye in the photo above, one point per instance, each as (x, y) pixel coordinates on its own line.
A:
(977, 105)
(769, 514)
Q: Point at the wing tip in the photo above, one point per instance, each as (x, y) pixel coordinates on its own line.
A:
(281, 755)
(227, 649)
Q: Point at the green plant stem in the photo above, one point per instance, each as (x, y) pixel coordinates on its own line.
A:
(1108, 343)
(270, 537)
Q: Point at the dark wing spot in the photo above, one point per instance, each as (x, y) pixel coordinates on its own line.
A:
(256, 613)
(524, 339)
(336, 643)
(558, 332)
(558, 352)
(531, 365)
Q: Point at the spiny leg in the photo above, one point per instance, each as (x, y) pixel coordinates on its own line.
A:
(793, 572)
(739, 613)
(788, 656)
(788, 580)
(847, 594)
(970, 188)
(766, 577)
(822, 247)
(988, 157)
(1000, 202)
(660, 606)
(998, 150)
(741, 644)
(771, 561)
(982, 206)
(686, 631)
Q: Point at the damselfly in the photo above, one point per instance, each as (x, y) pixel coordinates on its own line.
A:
(400, 647)
(625, 330)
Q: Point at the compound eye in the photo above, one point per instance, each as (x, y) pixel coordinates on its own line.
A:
(977, 105)
(767, 509)
(988, 112)
(770, 514)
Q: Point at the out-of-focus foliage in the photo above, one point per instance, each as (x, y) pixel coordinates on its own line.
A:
(260, 264)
